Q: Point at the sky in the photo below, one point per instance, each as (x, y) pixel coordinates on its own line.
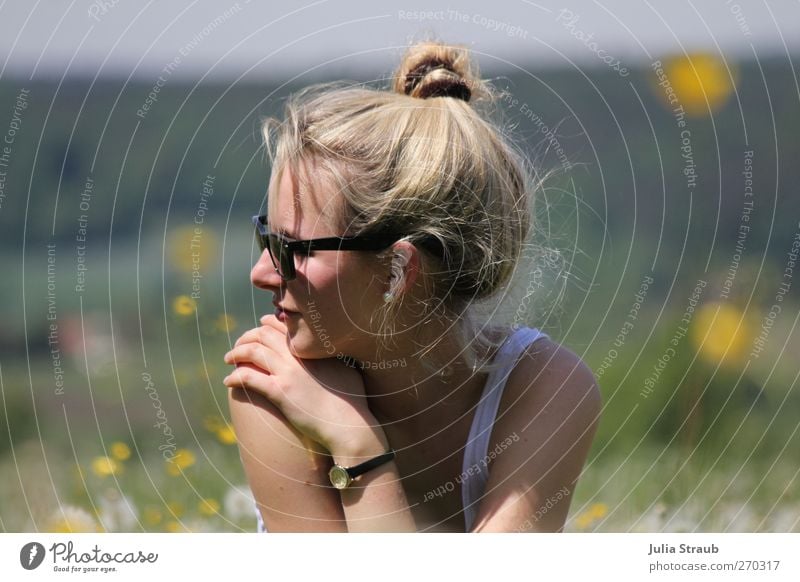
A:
(254, 40)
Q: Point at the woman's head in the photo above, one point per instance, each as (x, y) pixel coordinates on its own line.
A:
(419, 160)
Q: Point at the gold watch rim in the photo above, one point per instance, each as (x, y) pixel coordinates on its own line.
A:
(339, 470)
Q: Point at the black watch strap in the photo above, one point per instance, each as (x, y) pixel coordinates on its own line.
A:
(371, 464)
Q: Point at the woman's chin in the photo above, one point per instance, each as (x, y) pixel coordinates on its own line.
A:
(308, 348)
(306, 344)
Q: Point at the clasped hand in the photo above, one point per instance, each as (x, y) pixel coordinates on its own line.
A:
(324, 399)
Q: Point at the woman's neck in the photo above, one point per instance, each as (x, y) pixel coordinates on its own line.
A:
(402, 391)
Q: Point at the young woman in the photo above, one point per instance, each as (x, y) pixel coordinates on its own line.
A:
(372, 400)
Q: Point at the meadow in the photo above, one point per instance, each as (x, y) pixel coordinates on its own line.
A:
(665, 255)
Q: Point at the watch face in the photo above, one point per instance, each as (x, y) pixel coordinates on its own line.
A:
(339, 477)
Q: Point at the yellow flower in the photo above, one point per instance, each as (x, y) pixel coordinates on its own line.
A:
(70, 519)
(120, 451)
(598, 510)
(192, 248)
(152, 515)
(213, 423)
(184, 305)
(595, 512)
(105, 466)
(720, 333)
(183, 459)
(221, 428)
(226, 435)
(584, 520)
(208, 506)
(174, 527)
(225, 323)
(182, 377)
(176, 508)
(702, 82)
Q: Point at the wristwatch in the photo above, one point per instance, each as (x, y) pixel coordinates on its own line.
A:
(341, 477)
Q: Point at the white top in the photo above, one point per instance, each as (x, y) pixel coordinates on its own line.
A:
(474, 476)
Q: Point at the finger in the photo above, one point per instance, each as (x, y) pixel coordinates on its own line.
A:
(267, 318)
(251, 335)
(251, 378)
(249, 353)
(257, 334)
(273, 333)
(273, 322)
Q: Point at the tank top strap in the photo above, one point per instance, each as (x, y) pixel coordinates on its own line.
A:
(474, 474)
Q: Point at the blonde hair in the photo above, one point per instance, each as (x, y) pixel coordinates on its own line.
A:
(420, 159)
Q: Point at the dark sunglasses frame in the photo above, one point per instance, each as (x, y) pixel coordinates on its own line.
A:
(282, 248)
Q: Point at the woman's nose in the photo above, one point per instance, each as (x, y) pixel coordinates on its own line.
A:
(264, 275)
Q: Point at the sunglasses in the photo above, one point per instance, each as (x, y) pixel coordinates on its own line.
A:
(282, 249)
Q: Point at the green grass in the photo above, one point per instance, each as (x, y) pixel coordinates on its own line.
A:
(708, 450)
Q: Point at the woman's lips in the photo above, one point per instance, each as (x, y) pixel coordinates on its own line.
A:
(278, 306)
(283, 314)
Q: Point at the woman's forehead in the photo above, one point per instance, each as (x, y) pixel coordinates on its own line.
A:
(304, 203)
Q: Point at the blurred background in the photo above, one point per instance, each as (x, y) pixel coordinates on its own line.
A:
(665, 253)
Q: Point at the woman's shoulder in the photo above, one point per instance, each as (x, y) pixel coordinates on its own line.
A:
(547, 418)
(550, 375)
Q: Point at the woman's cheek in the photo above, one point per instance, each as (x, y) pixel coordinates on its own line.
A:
(321, 269)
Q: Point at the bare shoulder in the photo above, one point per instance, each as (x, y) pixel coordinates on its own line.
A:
(551, 387)
(286, 472)
(542, 434)
(551, 374)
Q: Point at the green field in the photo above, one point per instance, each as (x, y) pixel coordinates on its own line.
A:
(667, 260)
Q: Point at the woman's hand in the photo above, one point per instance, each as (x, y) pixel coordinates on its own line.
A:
(324, 399)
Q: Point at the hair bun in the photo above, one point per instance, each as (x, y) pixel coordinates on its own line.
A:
(433, 78)
(433, 69)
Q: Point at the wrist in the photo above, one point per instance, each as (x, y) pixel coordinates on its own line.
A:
(363, 448)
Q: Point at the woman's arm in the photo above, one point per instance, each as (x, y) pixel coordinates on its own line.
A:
(287, 472)
(375, 501)
(549, 412)
(288, 417)
(280, 406)
(288, 475)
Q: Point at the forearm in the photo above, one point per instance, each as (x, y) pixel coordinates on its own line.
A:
(287, 473)
(376, 500)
